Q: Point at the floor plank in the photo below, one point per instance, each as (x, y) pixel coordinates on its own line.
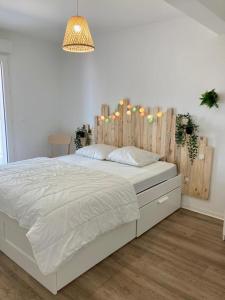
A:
(183, 257)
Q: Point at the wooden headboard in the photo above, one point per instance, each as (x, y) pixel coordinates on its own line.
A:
(159, 137)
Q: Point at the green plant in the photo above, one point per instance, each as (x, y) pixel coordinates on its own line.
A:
(186, 134)
(210, 99)
(82, 132)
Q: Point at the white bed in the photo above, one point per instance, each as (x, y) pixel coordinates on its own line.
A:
(142, 178)
(158, 190)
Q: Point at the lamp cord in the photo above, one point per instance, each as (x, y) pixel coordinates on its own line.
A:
(77, 7)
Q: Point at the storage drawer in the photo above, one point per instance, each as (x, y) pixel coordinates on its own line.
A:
(158, 191)
(157, 210)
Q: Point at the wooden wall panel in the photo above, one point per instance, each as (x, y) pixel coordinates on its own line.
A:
(158, 137)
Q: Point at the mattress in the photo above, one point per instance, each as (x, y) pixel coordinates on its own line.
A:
(141, 178)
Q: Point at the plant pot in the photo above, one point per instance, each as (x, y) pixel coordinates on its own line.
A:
(83, 141)
(189, 130)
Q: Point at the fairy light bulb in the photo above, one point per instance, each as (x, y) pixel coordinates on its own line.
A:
(102, 118)
(128, 112)
(121, 102)
(107, 120)
(142, 114)
(142, 110)
(129, 106)
(113, 117)
(134, 109)
(150, 118)
(159, 114)
(117, 113)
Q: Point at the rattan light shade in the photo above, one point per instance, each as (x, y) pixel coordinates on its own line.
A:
(77, 36)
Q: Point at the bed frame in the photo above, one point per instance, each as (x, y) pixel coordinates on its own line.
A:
(155, 203)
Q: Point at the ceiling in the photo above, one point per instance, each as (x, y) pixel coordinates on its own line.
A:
(47, 18)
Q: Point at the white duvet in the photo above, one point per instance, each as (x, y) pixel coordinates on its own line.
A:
(63, 206)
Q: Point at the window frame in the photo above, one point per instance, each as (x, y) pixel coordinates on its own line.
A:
(7, 107)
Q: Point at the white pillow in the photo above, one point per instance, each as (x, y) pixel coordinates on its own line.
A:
(131, 155)
(97, 151)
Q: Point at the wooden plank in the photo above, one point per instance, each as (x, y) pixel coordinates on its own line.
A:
(172, 146)
(207, 172)
(154, 130)
(197, 168)
(125, 123)
(120, 126)
(166, 141)
(146, 126)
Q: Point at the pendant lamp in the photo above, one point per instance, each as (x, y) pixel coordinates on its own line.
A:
(78, 36)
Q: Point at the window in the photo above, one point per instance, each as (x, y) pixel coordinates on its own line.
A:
(3, 135)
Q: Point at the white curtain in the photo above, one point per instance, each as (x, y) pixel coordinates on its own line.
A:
(3, 137)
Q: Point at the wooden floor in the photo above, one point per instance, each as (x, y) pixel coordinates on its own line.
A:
(183, 257)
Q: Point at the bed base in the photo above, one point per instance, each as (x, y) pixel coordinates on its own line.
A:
(155, 204)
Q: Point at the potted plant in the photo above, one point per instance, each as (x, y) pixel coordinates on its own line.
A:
(210, 99)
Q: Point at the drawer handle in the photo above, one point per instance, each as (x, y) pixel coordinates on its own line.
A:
(163, 199)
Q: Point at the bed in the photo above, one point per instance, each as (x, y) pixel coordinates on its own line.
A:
(158, 190)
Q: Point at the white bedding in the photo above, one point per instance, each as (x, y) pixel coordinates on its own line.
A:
(63, 206)
(141, 178)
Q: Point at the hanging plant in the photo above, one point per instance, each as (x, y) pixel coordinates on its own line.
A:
(210, 99)
(186, 134)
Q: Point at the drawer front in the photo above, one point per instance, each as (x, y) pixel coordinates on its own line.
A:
(158, 190)
(157, 210)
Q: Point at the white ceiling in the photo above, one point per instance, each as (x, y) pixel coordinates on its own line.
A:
(47, 18)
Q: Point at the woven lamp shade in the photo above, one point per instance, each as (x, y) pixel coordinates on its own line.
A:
(77, 36)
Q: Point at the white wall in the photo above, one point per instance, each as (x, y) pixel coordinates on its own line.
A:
(34, 86)
(167, 64)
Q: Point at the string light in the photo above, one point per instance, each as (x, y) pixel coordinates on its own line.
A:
(130, 108)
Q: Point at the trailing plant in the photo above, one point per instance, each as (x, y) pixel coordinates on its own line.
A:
(186, 134)
(210, 99)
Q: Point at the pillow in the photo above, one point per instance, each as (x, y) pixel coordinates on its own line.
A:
(133, 156)
(97, 151)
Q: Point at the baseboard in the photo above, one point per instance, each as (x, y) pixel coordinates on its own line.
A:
(204, 212)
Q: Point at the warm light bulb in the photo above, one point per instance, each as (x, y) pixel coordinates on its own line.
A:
(159, 114)
(142, 114)
(121, 102)
(117, 114)
(77, 28)
(129, 106)
(113, 117)
(102, 118)
(141, 110)
(134, 109)
(128, 112)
